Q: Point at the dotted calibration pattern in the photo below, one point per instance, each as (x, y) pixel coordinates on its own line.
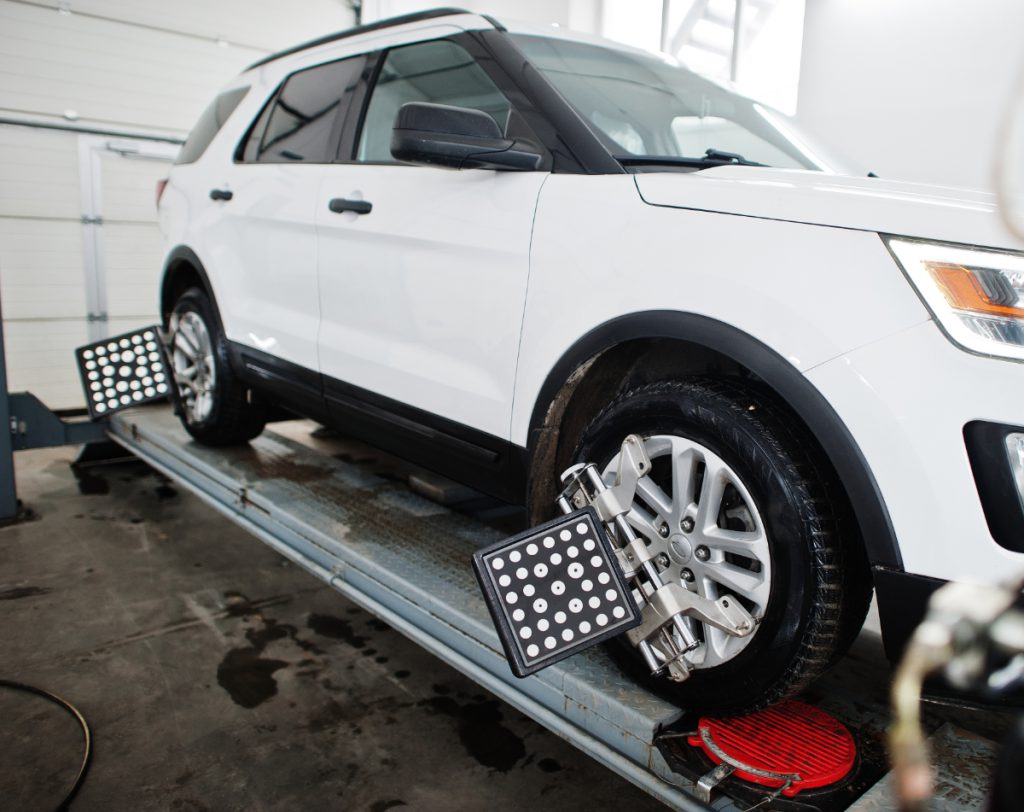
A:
(555, 590)
(123, 371)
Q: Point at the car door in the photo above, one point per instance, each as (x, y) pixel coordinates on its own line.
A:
(422, 295)
(269, 224)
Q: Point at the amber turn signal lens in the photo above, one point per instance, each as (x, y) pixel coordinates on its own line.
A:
(978, 290)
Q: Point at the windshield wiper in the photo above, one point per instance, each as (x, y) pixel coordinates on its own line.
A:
(712, 157)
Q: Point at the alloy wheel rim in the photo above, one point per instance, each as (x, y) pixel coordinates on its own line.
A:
(706, 533)
(194, 370)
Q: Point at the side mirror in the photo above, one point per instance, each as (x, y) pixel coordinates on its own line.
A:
(457, 137)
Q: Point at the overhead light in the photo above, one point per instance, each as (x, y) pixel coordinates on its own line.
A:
(71, 115)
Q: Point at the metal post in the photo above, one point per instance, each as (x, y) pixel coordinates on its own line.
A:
(737, 41)
(8, 492)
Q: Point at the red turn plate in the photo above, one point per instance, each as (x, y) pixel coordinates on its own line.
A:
(791, 742)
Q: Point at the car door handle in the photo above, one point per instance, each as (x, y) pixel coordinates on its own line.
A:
(221, 194)
(340, 204)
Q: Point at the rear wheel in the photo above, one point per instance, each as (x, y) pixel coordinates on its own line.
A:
(215, 407)
(736, 505)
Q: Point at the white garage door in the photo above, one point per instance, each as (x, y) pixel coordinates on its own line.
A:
(79, 249)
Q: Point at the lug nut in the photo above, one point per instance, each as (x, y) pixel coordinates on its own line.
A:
(687, 524)
(663, 561)
(663, 531)
(702, 553)
(687, 575)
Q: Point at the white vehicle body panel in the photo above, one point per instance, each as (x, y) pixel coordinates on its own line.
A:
(422, 299)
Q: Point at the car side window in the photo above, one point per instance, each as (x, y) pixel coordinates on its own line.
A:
(297, 124)
(441, 72)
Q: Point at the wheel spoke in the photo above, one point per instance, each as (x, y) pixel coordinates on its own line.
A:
(654, 496)
(684, 476)
(735, 541)
(711, 491)
(643, 522)
(739, 581)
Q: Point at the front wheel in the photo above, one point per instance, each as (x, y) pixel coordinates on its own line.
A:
(735, 506)
(214, 405)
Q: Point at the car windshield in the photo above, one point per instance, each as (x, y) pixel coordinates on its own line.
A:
(653, 112)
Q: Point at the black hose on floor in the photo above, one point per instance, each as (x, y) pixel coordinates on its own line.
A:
(86, 733)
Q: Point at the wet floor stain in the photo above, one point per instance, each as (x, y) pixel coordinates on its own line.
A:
(247, 677)
(267, 467)
(164, 491)
(18, 592)
(549, 765)
(89, 482)
(481, 731)
(337, 629)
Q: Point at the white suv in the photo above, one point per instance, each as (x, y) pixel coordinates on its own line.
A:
(497, 251)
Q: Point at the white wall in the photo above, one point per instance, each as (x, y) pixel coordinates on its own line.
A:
(538, 11)
(912, 89)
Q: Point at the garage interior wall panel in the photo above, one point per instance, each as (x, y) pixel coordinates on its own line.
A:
(137, 67)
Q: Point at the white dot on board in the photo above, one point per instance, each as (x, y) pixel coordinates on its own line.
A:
(115, 357)
(556, 559)
(90, 365)
(542, 625)
(575, 569)
(124, 372)
(496, 564)
(136, 339)
(154, 356)
(594, 602)
(558, 587)
(100, 407)
(97, 396)
(94, 376)
(540, 570)
(122, 386)
(549, 542)
(528, 590)
(602, 619)
(603, 577)
(550, 642)
(589, 545)
(532, 650)
(521, 573)
(572, 552)
(610, 595)
(504, 580)
(101, 351)
(136, 395)
(518, 615)
(575, 605)
(531, 549)
(581, 528)
(108, 381)
(161, 387)
(108, 371)
(128, 356)
(158, 377)
(584, 627)
(559, 617)
(596, 561)
(511, 597)
(567, 635)
(619, 612)
(135, 385)
(514, 556)
(540, 605)
(111, 393)
(150, 391)
(565, 535)
(112, 347)
(526, 632)
(147, 335)
(87, 353)
(95, 386)
(125, 342)
(586, 585)
(126, 399)
(111, 404)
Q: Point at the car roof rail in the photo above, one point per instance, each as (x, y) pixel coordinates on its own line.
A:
(355, 31)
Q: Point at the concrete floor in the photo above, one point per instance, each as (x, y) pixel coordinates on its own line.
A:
(216, 675)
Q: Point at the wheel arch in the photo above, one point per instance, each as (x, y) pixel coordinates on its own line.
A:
(183, 270)
(632, 348)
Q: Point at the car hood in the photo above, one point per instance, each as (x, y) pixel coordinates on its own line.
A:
(867, 204)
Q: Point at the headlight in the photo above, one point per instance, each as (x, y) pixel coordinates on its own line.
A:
(976, 296)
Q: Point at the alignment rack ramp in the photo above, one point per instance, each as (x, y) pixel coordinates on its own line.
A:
(407, 560)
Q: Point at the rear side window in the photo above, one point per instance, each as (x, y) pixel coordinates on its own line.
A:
(209, 124)
(298, 125)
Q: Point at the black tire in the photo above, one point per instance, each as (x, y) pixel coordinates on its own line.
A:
(233, 417)
(817, 598)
